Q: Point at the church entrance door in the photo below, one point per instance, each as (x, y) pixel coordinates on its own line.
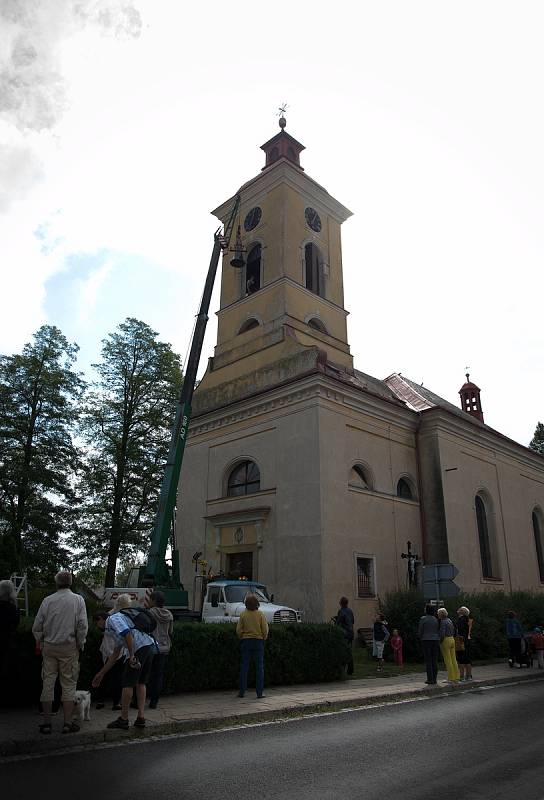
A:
(240, 565)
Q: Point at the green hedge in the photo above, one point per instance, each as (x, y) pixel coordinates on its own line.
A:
(403, 610)
(202, 657)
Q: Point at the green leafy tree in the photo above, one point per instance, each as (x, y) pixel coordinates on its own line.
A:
(126, 426)
(537, 442)
(39, 398)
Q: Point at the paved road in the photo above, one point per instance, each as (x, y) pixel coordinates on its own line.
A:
(473, 745)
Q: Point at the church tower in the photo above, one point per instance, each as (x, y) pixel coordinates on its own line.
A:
(289, 293)
(294, 459)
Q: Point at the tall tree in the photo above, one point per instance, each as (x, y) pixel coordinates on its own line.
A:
(39, 396)
(537, 442)
(126, 424)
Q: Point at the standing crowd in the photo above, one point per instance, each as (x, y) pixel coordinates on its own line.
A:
(134, 648)
(136, 643)
(437, 634)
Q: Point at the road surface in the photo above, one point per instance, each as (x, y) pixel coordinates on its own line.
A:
(475, 744)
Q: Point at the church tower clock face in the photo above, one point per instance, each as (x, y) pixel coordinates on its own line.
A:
(313, 219)
(252, 219)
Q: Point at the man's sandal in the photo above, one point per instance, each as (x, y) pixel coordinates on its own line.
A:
(45, 728)
(70, 727)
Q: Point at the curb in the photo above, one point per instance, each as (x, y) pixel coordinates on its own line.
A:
(42, 746)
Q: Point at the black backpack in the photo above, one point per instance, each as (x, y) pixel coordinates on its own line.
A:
(142, 619)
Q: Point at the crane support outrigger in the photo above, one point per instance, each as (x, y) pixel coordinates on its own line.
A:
(156, 572)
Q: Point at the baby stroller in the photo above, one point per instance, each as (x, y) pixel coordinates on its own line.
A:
(526, 657)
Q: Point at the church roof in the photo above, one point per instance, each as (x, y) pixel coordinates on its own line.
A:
(374, 386)
(419, 398)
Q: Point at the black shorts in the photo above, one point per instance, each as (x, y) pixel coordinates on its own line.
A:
(140, 675)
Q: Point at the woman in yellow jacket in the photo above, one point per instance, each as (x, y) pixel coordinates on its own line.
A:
(252, 629)
(447, 645)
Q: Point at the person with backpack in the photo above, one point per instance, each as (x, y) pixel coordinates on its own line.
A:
(131, 629)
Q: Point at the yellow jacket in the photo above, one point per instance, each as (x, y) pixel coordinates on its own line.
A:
(252, 625)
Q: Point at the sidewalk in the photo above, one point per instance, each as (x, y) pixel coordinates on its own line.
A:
(183, 713)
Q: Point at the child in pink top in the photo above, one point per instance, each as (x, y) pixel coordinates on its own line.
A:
(396, 644)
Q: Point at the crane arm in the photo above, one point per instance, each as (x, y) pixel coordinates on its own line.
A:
(156, 570)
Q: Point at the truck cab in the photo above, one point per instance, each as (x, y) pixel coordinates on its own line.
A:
(224, 602)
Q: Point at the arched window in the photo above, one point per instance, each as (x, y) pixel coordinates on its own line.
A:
(253, 270)
(314, 269)
(291, 154)
(245, 478)
(249, 324)
(486, 539)
(274, 155)
(537, 531)
(404, 490)
(317, 324)
(360, 477)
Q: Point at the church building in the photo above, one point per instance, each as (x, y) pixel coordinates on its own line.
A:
(314, 478)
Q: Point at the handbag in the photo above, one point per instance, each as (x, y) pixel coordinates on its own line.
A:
(459, 642)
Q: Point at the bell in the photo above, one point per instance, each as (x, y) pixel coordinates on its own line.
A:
(238, 260)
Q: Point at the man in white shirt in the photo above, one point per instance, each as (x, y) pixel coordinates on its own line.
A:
(138, 648)
(60, 630)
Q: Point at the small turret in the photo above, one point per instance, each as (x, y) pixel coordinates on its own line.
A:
(470, 399)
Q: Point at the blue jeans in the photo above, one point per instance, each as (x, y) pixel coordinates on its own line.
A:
(252, 649)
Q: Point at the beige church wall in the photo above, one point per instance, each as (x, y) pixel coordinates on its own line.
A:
(522, 490)
(370, 523)
(284, 444)
(512, 486)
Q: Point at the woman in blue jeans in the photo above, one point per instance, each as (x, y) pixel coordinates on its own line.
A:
(252, 629)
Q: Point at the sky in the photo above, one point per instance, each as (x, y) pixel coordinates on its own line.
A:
(123, 124)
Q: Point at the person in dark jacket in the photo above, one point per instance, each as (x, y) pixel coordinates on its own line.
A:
(380, 635)
(429, 634)
(514, 634)
(9, 621)
(346, 620)
(464, 656)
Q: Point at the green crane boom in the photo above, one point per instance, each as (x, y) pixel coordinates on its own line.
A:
(156, 573)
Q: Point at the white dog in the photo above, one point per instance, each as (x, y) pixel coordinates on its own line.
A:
(82, 706)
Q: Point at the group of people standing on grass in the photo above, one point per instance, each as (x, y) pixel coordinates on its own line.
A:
(437, 633)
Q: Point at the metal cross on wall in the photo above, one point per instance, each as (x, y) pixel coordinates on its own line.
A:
(411, 564)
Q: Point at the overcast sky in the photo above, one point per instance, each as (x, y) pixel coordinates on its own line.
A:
(122, 124)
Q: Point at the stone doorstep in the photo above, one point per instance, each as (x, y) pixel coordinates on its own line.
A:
(67, 742)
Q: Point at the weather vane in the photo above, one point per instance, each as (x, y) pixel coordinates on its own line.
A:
(467, 373)
(282, 109)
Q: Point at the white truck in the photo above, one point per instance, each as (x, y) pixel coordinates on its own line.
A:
(223, 602)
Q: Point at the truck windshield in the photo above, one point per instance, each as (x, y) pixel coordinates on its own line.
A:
(237, 594)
